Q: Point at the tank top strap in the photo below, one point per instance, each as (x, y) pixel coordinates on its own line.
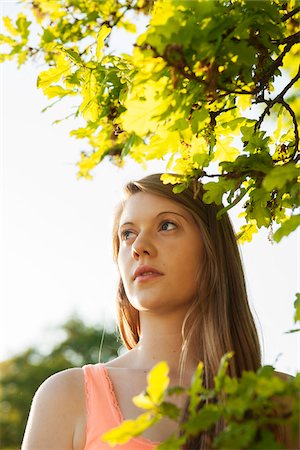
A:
(103, 412)
(99, 408)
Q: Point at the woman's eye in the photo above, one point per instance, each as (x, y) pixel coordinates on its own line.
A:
(167, 225)
(125, 235)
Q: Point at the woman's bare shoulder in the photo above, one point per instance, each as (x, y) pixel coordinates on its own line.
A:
(65, 381)
(57, 414)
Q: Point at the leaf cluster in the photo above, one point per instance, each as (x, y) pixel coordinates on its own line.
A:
(251, 409)
(184, 93)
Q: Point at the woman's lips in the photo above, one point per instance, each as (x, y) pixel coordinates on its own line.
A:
(146, 272)
(147, 277)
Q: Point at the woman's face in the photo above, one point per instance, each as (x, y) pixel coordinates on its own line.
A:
(160, 253)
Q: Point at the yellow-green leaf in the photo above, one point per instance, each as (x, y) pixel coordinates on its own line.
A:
(89, 107)
(128, 429)
(143, 401)
(288, 226)
(128, 26)
(297, 308)
(224, 151)
(53, 75)
(158, 381)
(10, 27)
(246, 232)
(58, 91)
(244, 101)
(280, 175)
(102, 35)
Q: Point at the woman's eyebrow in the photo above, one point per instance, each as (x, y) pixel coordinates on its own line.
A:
(125, 223)
(173, 212)
(159, 214)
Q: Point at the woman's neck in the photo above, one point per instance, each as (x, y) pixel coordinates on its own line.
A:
(161, 340)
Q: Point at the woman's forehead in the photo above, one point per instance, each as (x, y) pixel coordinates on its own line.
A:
(144, 203)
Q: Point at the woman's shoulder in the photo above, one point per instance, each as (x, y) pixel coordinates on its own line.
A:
(57, 415)
(65, 380)
(63, 387)
(64, 390)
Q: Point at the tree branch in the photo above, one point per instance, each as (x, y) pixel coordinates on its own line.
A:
(278, 99)
(290, 14)
(296, 132)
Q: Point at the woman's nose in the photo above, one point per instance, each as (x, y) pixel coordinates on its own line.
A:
(142, 246)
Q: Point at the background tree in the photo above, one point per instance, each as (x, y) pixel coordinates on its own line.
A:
(183, 94)
(22, 375)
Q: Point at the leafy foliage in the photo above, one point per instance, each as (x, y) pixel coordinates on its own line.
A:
(251, 408)
(183, 94)
(21, 375)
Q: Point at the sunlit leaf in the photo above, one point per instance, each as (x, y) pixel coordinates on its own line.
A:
(128, 429)
(89, 107)
(9, 26)
(158, 381)
(53, 75)
(143, 401)
(102, 35)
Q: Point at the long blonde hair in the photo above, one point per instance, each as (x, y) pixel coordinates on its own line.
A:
(219, 320)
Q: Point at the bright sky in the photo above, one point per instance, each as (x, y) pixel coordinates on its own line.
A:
(56, 256)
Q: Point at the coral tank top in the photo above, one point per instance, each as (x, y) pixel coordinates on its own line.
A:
(103, 411)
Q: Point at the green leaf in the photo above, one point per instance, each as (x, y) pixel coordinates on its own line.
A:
(196, 389)
(74, 56)
(259, 209)
(205, 418)
(172, 443)
(267, 441)
(297, 308)
(237, 436)
(169, 410)
(23, 26)
(128, 144)
(220, 377)
(179, 188)
(287, 227)
(199, 119)
(280, 175)
(214, 192)
(269, 386)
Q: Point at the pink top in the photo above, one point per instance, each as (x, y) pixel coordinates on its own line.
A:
(103, 411)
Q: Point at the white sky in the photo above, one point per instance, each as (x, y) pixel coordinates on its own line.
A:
(56, 256)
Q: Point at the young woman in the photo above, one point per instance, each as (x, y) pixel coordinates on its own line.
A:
(181, 298)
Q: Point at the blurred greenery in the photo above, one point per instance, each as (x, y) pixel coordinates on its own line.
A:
(22, 374)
